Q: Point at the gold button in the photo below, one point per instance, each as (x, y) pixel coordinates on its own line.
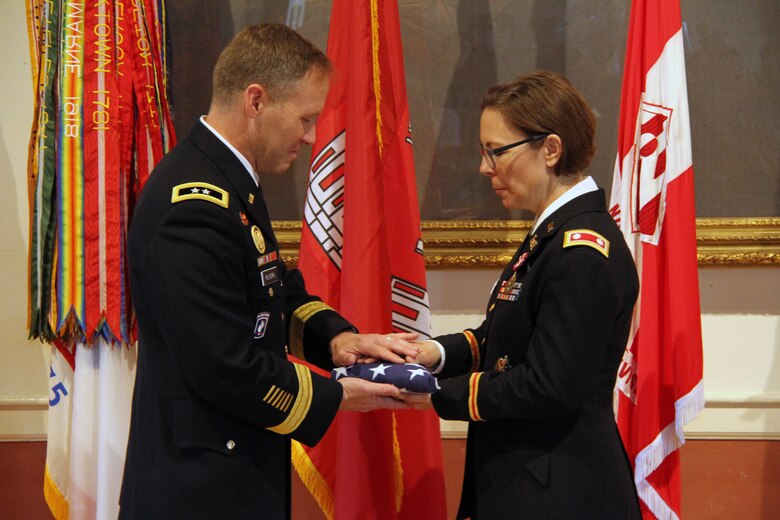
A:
(270, 291)
(230, 444)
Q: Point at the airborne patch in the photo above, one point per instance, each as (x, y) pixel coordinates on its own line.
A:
(261, 324)
(586, 237)
(200, 191)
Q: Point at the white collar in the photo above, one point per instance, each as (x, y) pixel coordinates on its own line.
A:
(238, 154)
(586, 185)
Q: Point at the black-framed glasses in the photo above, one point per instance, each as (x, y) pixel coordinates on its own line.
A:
(491, 153)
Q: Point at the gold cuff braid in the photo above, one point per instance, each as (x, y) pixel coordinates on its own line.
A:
(298, 322)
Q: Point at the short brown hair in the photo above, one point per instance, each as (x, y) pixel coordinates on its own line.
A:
(272, 55)
(546, 102)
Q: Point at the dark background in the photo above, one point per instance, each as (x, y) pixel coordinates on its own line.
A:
(455, 49)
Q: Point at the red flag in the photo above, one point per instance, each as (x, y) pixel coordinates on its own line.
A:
(659, 387)
(361, 250)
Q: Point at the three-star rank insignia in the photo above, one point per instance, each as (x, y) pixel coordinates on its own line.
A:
(586, 237)
(257, 238)
(502, 364)
(550, 226)
(200, 191)
(251, 198)
(533, 242)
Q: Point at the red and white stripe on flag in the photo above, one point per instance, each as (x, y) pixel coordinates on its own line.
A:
(361, 251)
(659, 386)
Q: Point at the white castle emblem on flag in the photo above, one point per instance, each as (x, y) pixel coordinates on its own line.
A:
(411, 310)
(324, 210)
(649, 174)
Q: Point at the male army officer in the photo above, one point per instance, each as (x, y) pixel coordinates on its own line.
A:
(216, 401)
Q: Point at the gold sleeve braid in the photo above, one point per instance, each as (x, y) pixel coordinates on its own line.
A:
(474, 346)
(473, 394)
(301, 405)
(298, 322)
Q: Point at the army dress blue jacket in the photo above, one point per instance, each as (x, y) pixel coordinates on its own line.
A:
(535, 379)
(216, 401)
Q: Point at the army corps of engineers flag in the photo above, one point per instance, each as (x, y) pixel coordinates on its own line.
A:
(659, 387)
(361, 251)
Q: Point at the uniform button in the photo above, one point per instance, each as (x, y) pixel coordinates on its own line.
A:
(270, 291)
(230, 444)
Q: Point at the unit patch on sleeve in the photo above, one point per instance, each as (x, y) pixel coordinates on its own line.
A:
(261, 324)
(200, 191)
(586, 237)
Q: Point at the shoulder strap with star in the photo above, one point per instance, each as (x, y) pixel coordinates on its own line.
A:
(200, 191)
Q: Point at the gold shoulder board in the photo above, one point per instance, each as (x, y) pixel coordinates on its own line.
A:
(200, 191)
(586, 237)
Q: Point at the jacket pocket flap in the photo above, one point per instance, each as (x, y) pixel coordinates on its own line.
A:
(537, 463)
(197, 426)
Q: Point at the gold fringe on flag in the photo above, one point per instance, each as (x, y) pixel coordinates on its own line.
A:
(56, 501)
(313, 479)
(377, 73)
(398, 469)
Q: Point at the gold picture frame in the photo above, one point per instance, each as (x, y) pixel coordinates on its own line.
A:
(464, 244)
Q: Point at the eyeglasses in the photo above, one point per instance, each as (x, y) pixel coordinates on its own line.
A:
(491, 153)
(308, 123)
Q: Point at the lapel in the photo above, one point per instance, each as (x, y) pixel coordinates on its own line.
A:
(534, 243)
(250, 197)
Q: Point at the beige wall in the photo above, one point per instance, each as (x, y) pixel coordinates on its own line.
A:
(23, 374)
(740, 306)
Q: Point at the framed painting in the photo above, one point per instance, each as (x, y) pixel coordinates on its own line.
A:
(454, 50)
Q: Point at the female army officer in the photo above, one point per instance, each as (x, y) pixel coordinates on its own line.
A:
(535, 379)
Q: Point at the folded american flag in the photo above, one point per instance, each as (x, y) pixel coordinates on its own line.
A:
(410, 377)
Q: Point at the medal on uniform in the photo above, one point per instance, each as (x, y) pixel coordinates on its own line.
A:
(502, 364)
(257, 238)
(510, 289)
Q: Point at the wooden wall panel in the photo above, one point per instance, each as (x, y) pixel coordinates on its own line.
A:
(722, 480)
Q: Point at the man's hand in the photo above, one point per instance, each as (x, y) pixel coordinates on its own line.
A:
(429, 354)
(349, 348)
(363, 396)
(417, 401)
